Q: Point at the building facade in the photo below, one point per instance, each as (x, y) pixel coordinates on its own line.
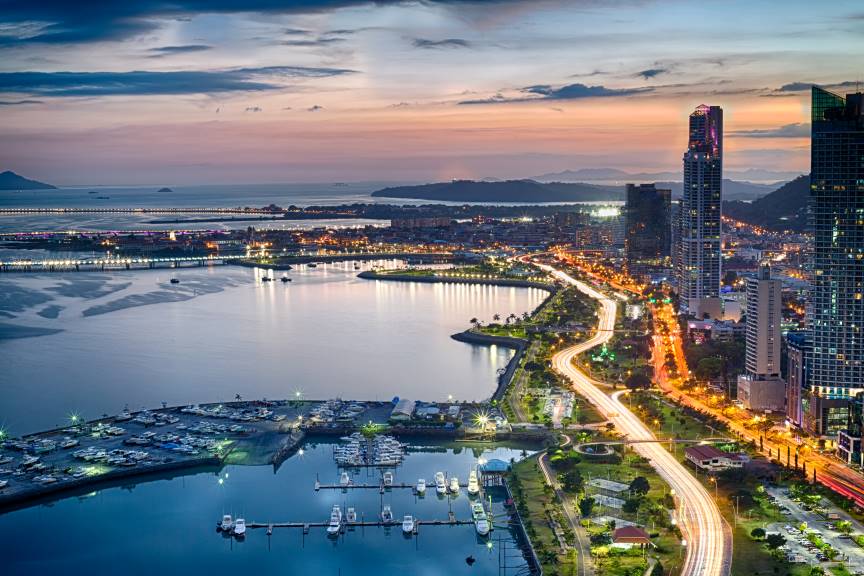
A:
(797, 349)
(699, 233)
(647, 228)
(836, 362)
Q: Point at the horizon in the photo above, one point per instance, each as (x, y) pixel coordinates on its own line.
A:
(343, 91)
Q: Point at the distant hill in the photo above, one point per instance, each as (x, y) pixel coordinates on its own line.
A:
(504, 191)
(732, 189)
(616, 176)
(783, 209)
(11, 181)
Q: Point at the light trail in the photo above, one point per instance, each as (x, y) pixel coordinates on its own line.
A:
(707, 536)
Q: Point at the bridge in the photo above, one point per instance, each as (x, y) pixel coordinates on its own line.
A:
(146, 263)
(160, 210)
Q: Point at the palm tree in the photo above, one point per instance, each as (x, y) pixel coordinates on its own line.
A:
(496, 317)
(475, 322)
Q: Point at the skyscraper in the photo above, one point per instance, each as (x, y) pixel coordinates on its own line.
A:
(761, 387)
(837, 284)
(699, 250)
(647, 227)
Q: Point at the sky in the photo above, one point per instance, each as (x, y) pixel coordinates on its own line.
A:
(165, 92)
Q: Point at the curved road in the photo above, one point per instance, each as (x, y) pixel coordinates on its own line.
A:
(708, 537)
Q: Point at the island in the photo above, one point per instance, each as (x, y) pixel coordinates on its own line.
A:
(11, 181)
(505, 191)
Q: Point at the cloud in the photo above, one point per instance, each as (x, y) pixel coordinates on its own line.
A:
(19, 102)
(319, 41)
(61, 84)
(797, 130)
(68, 22)
(446, 43)
(314, 108)
(254, 109)
(171, 50)
(568, 92)
(802, 86)
(651, 73)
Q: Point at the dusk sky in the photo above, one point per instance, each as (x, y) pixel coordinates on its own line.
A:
(230, 91)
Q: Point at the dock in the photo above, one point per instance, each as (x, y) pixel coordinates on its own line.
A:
(453, 521)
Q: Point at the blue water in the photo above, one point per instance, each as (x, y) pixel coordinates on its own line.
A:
(168, 526)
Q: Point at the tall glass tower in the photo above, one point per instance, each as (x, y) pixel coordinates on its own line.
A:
(837, 284)
(699, 248)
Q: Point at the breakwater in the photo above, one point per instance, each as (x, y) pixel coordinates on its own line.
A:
(429, 279)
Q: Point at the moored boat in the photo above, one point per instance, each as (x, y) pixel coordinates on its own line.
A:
(408, 524)
(387, 514)
(240, 527)
(421, 486)
(454, 484)
(473, 484)
(440, 483)
(335, 521)
(227, 523)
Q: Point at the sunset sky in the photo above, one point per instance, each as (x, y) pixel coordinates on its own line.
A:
(230, 91)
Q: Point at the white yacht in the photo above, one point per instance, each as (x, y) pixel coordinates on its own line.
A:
(344, 480)
(351, 515)
(240, 527)
(481, 522)
(3, 484)
(440, 483)
(473, 484)
(408, 524)
(454, 484)
(335, 521)
(227, 523)
(387, 514)
(421, 486)
(388, 479)
(68, 443)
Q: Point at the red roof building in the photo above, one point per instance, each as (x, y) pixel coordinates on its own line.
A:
(629, 536)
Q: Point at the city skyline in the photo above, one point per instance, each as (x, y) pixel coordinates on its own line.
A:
(198, 93)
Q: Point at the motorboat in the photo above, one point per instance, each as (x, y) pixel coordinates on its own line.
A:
(286, 279)
(123, 416)
(335, 521)
(312, 265)
(5, 460)
(473, 483)
(240, 527)
(481, 521)
(388, 479)
(266, 279)
(227, 523)
(387, 514)
(421, 486)
(344, 480)
(3, 484)
(454, 484)
(69, 443)
(408, 524)
(440, 483)
(175, 280)
(351, 515)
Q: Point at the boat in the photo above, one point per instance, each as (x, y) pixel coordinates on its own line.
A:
(356, 266)
(5, 460)
(312, 265)
(227, 523)
(69, 443)
(285, 279)
(388, 479)
(266, 279)
(175, 280)
(3, 484)
(481, 522)
(473, 484)
(335, 521)
(351, 515)
(123, 416)
(344, 480)
(387, 514)
(240, 528)
(454, 484)
(408, 524)
(440, 483)
(421, 486)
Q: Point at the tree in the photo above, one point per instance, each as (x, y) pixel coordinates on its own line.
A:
(572, 481)
(817, 571)
(631, 506)
(637, 381)
(774, 541)
(757, 533)
(844, 526)
(586, 506)
(640, 486)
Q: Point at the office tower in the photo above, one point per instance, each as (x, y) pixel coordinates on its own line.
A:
(849, 443)
(760, 387)
(647, 228)
(837, 285)
(797, 349)
(700, 243)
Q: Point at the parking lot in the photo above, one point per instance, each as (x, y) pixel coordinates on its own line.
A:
(799, 547)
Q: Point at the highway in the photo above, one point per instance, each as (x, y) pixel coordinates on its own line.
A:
(707, 537)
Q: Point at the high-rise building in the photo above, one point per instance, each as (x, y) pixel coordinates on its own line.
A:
(699, 235)
(836, 306)
(849, 443)
(797, 349)
(760, 387)
(647, 227)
